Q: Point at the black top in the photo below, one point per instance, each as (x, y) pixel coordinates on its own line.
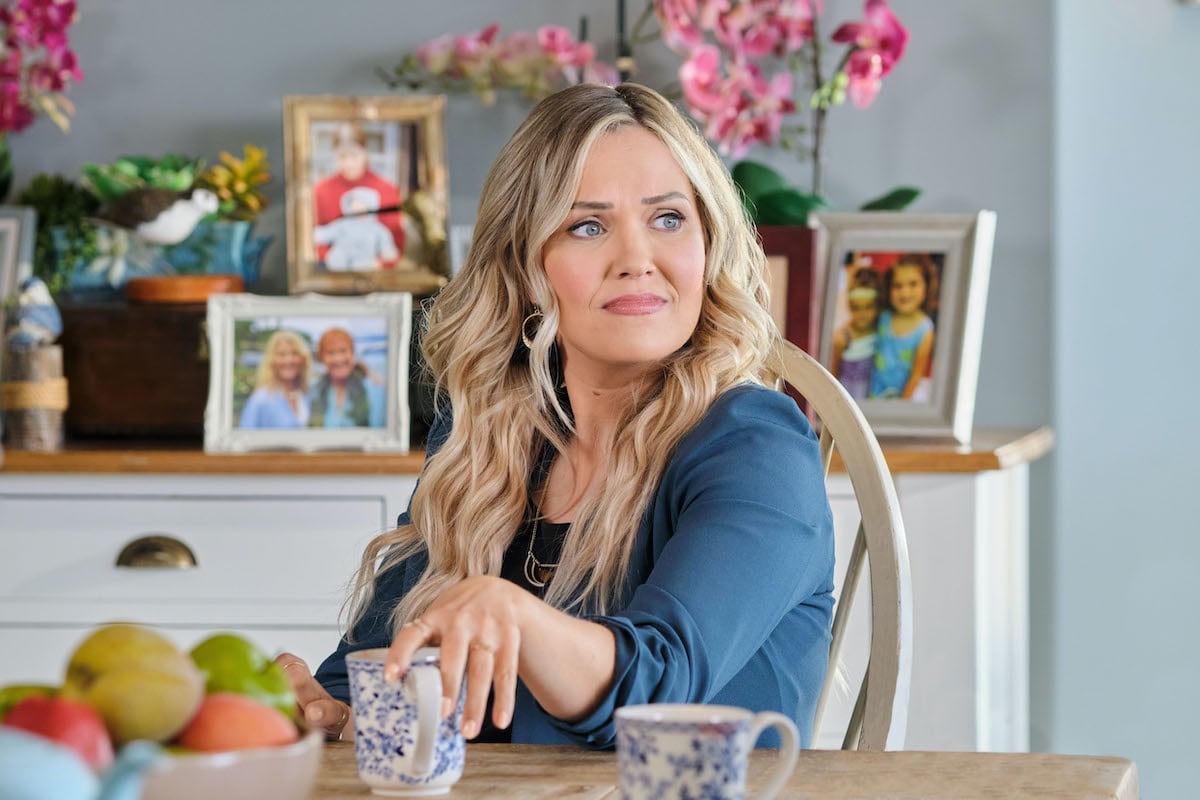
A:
(546, 547)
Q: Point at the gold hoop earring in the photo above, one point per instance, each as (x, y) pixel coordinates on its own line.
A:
(525, 337)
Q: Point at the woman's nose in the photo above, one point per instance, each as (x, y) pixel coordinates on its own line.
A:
(634, 256)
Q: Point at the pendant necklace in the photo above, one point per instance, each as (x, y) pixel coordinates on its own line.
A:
(537, 573)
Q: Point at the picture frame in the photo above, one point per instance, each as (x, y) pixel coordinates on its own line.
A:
(366, 193)
(794, 281)
(308, 372)
(902, 315)
(18, 229)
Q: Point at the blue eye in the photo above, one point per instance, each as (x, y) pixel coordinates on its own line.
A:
(587, 228)
(670, 221)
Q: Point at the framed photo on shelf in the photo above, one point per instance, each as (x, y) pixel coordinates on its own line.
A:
(902, 316)
(793, 277)
(18, 227)
(308, 372)
(366, 193)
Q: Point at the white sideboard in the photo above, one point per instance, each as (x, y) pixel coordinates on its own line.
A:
(273, 555)
(276, 537)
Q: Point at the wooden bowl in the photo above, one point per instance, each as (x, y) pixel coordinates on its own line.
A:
(180, 288)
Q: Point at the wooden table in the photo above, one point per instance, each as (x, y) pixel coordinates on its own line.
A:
(508, 772)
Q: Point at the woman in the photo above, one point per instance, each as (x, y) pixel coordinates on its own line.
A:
(347, 395)
(279, 399)
(614, 509)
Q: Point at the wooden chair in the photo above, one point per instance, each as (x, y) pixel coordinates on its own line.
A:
(880, 713)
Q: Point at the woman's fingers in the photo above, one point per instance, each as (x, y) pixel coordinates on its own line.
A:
(405, 644)
(480, 660)
(504, 682)
(330, 716)
(453, 657)
(317, 707)
(476, 625)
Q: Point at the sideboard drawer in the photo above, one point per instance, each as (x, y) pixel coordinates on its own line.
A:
(282, 555)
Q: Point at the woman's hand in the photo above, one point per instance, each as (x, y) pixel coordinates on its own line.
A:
(317, 708)
(477, 624)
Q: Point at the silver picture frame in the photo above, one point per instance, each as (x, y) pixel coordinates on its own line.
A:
(956, 252)
(18, 229)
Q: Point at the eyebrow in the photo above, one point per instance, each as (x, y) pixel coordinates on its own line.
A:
(596, 205)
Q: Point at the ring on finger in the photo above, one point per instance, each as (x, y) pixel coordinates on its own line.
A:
(484, 646)
(341, 726)
(422, 624)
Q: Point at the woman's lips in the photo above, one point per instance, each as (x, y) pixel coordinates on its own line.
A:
(635, 304)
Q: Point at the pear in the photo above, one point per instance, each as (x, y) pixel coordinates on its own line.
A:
(140, 683)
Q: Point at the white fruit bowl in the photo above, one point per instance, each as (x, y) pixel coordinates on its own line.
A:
(279, 773)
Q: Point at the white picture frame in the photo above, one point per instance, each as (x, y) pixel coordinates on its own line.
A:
(375, 328)
(950, 255)
(18, 228)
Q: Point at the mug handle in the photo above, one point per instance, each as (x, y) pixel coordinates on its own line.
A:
(789, 749)
(427, 681)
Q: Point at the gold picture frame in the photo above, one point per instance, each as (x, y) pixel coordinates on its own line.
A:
(366, 193)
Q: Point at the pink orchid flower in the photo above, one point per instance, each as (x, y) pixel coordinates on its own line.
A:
(864, 68)
(880, 32)
(678, 20)
(701, 79)
(751, 109)
(475, 46)
(748, 31)
(879, 43)
(794, 21)
(436, 54)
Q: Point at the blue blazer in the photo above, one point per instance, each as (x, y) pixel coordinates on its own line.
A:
(729, 595)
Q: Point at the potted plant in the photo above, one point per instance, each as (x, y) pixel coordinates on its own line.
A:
(64, 235)
(224, 243)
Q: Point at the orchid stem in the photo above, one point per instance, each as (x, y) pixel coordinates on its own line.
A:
(818, 118)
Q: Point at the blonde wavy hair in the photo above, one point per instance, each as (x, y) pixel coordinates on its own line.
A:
(474, 493)
(265, 377)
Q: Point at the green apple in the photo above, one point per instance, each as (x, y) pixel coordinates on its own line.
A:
(231, 663)
(15, 693)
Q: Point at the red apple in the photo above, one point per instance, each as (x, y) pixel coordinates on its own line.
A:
(69, 723)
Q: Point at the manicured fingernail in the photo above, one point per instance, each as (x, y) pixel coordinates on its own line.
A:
(316, 715)
(447, 707)
(391, 673)
(469, 728)
(503, 720)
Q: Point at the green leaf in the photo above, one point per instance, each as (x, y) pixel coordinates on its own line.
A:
(787, 207)
(755, 179)
(896, 200)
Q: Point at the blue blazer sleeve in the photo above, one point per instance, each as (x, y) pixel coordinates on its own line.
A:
(740, 535)
(375, 630)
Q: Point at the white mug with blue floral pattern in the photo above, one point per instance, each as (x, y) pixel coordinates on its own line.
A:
(403, 746)
(668, 751)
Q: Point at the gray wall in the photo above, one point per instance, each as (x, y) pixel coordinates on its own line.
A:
(970, 117)
(1126, 553)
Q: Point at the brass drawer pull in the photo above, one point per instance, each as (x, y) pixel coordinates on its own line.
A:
(156, 552)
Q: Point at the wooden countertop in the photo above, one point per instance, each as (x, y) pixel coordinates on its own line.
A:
(998, 448)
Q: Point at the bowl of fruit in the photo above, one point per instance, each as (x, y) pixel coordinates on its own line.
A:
(133, 709)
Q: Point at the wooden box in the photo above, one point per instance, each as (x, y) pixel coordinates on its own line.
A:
(135, 369)
(141, 370)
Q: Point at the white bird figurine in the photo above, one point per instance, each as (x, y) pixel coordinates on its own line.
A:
(160, 216)
(35, 320)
